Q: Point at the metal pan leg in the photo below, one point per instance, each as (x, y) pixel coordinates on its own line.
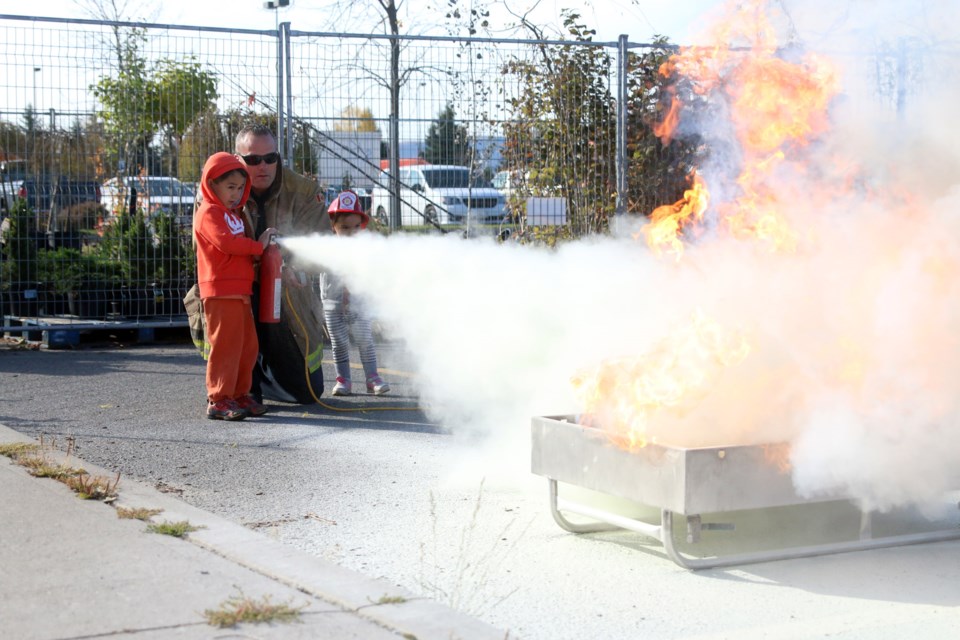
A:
(606, 521)
(795, 552)
(558, 517)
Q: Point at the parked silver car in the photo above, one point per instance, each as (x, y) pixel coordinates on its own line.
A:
(154, 195)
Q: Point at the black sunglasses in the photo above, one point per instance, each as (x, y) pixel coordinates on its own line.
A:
(253, 159)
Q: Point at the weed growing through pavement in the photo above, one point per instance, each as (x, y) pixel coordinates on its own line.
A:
(14, 450)
(466, 587)
(89, 487)
(241, 608)
(175, 529)
(40, 467)
(139, 513)
(32, 457)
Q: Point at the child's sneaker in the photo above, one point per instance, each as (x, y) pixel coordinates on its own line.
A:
(225, 409)
(377, 386)
(250, 405)
(341, 388)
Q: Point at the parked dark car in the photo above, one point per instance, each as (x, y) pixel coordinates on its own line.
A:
(41, 193)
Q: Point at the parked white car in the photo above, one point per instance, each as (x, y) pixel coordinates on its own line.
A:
(445, 194)
(155, 195)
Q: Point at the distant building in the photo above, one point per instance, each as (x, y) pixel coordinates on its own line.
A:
(351, 157)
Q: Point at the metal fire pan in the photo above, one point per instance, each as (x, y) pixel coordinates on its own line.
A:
(685, 483)
(682, 480)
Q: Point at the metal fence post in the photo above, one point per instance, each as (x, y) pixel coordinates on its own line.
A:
(281, 125)
(394, 133)
(288, 94)
(621, 160)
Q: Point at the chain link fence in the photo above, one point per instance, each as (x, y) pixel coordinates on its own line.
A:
(105, 126)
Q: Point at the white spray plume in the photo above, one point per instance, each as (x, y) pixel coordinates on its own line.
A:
(855, 337)
(497, 331)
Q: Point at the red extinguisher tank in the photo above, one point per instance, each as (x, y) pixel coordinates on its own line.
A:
(271, 264)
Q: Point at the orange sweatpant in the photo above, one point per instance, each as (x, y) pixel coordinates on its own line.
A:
(233, 347)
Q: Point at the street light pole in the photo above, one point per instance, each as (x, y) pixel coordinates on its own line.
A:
(284, 136)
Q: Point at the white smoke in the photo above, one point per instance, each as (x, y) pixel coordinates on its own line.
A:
(856, 336)
(895, 438)
(497, 331)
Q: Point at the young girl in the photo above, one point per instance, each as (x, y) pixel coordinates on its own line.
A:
(225, 264)
(340, 313)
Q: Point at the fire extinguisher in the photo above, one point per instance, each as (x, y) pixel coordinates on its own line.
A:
(271, 264)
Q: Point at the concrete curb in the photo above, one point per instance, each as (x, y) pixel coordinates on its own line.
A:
(378, 601)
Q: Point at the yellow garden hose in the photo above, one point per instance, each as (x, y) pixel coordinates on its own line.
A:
(306, 370)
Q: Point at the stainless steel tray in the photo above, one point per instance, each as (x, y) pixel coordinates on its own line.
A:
(686, 482)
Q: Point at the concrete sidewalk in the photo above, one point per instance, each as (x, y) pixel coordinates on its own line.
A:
(70, 568)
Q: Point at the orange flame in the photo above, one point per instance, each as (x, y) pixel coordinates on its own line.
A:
(622, 396)
(667, 221)
(666, 128)
(777, 107)
(778, 104)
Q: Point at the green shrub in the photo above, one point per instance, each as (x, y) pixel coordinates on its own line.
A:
(63, 268)
(20, 247)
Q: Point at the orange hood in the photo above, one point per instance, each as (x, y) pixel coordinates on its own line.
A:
(217, 165)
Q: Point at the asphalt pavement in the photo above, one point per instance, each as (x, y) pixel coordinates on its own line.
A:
(367, 508)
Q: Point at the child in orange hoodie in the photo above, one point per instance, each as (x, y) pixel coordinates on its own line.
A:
(225, 273)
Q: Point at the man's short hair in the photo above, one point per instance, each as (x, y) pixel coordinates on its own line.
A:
(254, 130)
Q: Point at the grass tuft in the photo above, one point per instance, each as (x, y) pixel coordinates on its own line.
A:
(237, 609)
(40, 467)
(175, 529)
(89, 487)
(34, 459)
(139, 513)
(14, 450)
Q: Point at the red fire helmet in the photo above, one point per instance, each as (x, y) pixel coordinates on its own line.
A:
(348, 202)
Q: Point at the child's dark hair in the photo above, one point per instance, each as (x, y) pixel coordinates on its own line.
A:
(219, 179)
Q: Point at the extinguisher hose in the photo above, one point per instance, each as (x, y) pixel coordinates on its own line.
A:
(306, 370)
